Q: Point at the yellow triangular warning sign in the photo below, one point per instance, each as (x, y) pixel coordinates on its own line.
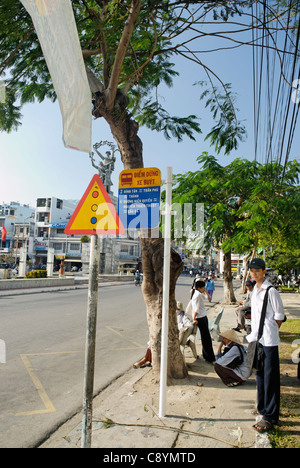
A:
(95, 213)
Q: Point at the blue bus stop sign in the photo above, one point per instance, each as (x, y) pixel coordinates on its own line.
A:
(139, 198)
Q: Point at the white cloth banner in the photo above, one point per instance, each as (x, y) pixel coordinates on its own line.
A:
(57, 32)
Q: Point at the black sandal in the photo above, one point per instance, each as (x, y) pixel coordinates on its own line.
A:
(263, 426)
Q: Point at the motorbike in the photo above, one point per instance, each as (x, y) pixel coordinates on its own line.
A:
(248, 321)
(137, 281)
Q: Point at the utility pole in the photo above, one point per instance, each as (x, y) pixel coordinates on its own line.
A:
(90, 348)
(166, 296)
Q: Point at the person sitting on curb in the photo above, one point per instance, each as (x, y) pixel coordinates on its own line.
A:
(146, 360)
(231, 363)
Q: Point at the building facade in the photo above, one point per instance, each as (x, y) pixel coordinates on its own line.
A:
(51, 217)
(41, 230)
(18, 220)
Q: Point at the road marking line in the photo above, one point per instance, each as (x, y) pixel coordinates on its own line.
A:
(49, 407)
(138, 345)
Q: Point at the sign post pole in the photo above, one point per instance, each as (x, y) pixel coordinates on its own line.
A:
(95, 215)
(166, 294)
(89, 369)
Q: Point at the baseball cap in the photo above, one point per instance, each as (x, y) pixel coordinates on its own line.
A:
(257, 263)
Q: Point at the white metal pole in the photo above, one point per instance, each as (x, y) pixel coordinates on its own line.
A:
(166, 294)
(90, 347)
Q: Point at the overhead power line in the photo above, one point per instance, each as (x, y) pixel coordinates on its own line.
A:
(275, 69)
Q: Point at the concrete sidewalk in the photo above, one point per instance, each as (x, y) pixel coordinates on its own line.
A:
(201, 411)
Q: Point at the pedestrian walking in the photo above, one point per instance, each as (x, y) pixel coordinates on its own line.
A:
(210, 286)
(267, 379)
(197, 309)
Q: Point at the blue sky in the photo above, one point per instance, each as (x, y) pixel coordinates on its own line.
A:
(35, 163)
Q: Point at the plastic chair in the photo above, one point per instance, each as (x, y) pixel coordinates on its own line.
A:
(214, 326)
(188, 338)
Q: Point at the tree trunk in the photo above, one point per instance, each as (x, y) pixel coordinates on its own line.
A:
(246, 262)
(229, 296)
(153, 255)
(125, 130)
(246, 273)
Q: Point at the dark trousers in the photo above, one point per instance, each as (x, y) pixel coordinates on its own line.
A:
(268, 385)
(227, 375)
(207, 348)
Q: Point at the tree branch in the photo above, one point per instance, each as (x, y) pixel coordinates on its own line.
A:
(6, 62)
(95, 85)
(131, 79)
(111, 91)
(89, 52)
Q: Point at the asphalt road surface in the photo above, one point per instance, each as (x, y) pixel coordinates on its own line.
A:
(41, 382)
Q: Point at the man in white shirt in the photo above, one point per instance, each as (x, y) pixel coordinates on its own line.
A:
(199, 314)
(267, 380)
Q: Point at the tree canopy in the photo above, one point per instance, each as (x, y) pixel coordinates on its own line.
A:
(247, 204)
(129, 46)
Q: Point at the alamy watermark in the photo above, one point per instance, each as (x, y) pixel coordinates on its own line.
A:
(2, 92)
(142, 220)
(296, 353)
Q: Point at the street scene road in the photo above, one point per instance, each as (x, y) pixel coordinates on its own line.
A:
(41, 383)
(42, 379)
